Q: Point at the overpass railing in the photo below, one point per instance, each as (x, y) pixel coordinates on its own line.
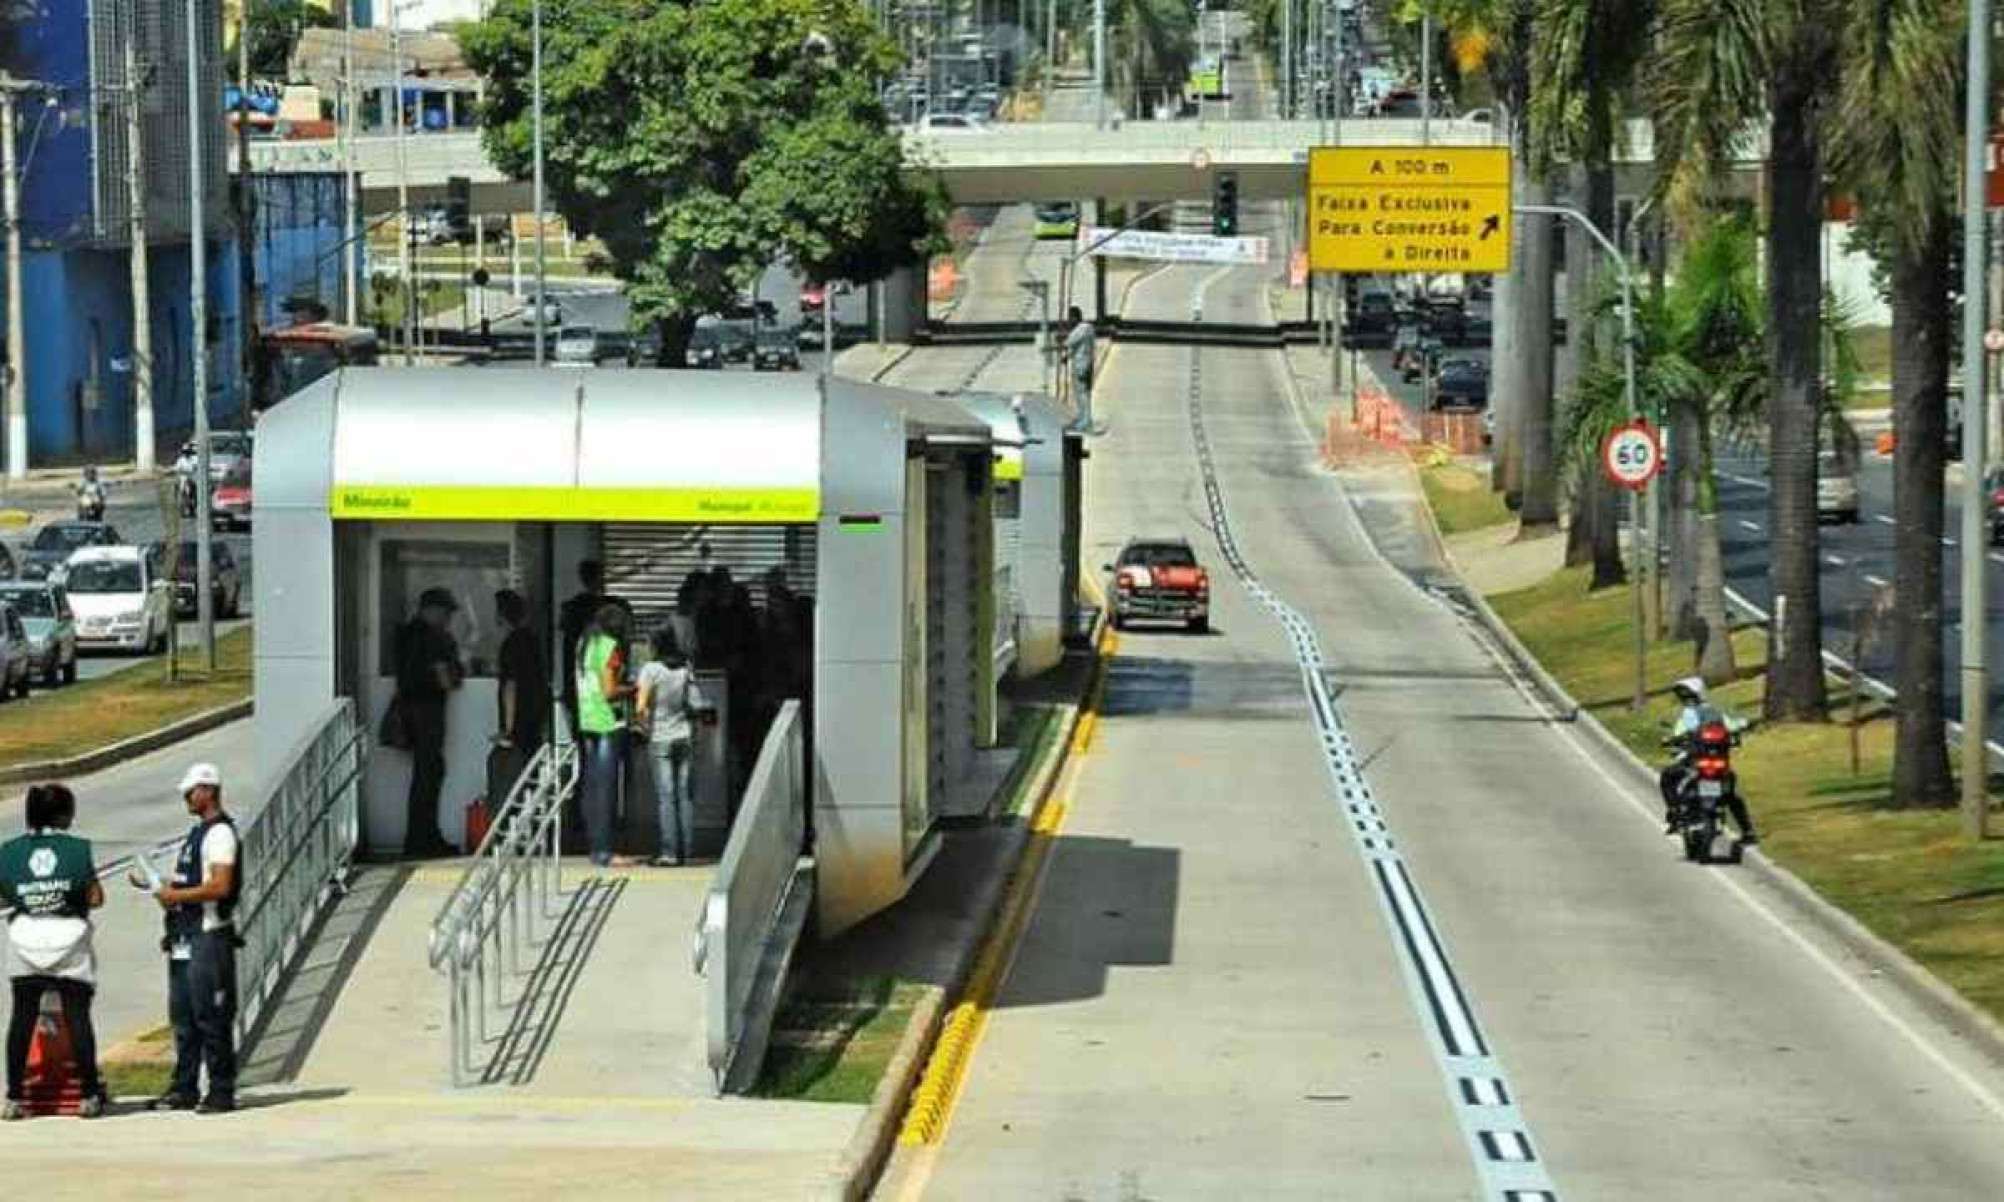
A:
(506, 892)
(296, 855)
(756, 907)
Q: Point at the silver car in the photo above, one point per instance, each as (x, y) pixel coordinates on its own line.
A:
(17, 657)
(51, 627)
(577, 346)
(1836, 489)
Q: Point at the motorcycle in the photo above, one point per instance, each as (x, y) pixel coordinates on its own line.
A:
(1710, 785)
(90, 502)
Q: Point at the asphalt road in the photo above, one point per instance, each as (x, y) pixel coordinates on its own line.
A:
(1857, 562)
(1210, 1000)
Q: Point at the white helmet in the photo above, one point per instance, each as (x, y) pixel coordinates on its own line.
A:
(1691, 688)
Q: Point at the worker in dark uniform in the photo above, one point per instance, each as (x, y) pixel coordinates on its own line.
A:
(428, 671)
(201, 905)
(48, 887)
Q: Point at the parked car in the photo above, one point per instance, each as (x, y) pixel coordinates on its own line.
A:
(8, 569)
(777, 350)
(735, 340)
(51, 628)
(1461, 384)
(1837, 490)
(953, 123)
(813, 296)
(17, 658)
(643, 346)
(706, 349)
(226, 581)
(577, 346)
(48, 556)
(1058, 220)
(121, 599)
(230, 504)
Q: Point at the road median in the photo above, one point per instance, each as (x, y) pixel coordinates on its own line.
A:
(93, 724)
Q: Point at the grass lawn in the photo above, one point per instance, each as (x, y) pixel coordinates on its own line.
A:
(59, 723)
(1461, 498)
(834, 1041)
(1906, 874)
(1874, 345)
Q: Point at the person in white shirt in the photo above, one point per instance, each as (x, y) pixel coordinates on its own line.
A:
(1079, 353)
(668, 704)
(201, 944)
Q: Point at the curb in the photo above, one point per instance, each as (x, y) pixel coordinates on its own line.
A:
(1984, 1033)
(128, 749)
(869, 1148)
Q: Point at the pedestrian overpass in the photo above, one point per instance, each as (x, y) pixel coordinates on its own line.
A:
(1135, 160)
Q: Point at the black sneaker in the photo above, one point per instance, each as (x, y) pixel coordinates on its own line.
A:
(1749, 839)
(91, 1107)
(171, 1101)
(214, 1104)
(11, 1112)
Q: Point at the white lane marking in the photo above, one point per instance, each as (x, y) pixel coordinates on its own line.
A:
(1746, 525)
(1874, 581)
(1948, 542)
(1883, 519)
(1749, 481)
(1833, 561)
(1994, 557)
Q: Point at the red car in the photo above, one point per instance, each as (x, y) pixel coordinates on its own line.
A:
(230, 504)
(813, 297)
(1159, 579)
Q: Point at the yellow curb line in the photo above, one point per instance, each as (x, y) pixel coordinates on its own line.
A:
(946, 1072)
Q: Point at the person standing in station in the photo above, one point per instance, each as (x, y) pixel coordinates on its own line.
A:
(1080, 348)
(201, 904)
(428, 672)
(665, 711)
(48, 887)
(523, 695)
(602, 691)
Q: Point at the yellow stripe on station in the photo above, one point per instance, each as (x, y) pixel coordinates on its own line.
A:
(485, 503)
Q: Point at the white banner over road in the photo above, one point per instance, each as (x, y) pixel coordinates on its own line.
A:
(1171, 248)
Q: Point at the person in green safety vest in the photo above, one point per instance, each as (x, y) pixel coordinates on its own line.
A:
(602, 692)
(48, 887)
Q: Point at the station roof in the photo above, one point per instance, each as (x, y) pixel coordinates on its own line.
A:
(528, 444)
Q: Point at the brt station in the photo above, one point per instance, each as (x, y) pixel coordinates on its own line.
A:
(898, 561)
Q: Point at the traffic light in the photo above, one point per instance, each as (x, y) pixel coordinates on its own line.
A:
(1225, 205)
(459, 198)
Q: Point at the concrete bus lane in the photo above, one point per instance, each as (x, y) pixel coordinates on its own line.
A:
(1208, 996)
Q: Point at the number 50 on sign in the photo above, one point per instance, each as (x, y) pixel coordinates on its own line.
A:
(1632, 455)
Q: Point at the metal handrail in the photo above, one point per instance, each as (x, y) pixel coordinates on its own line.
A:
(296, 855)
(508, 887)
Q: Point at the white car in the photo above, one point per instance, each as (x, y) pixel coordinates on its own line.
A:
(577, 346)
(1836, 489)
(122, 600)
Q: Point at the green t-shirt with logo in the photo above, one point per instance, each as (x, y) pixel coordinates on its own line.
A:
(596, 713)
(46, 873)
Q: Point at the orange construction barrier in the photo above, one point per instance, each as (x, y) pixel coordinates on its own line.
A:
(943, 280)
(52, 1085)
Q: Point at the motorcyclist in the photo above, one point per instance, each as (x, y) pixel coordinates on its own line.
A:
(1695, 709)
(90, 496)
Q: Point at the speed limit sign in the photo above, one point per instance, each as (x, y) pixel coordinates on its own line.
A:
(1631, 455)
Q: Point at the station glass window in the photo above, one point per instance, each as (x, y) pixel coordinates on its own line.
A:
(471, 570)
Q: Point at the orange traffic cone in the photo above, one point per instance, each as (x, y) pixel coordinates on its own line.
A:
(52, 1085)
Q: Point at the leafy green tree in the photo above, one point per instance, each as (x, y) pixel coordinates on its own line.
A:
(1584, 61)
(1722, 64)
(700, 142)
(275, 26)
(1898, 138)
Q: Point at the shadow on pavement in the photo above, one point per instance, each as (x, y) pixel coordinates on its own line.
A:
(546, 993)
(1105, 904)
(1142, 685)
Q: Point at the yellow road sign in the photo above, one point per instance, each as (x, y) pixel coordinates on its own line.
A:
(1409, 208)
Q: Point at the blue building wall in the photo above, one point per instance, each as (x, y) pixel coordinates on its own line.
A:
(297, 238)
(80, 357)
(54, 141)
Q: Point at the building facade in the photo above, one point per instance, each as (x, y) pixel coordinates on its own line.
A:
(75, 160)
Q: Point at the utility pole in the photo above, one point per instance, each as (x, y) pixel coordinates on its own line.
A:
(352, 225)
(1099, 64)
(246, 207)
(1287, 57)
(407, 232)
(1975, 432)
(198, 322)
(542, 301)
(1426, 78)
(142, 301)
(17, 330)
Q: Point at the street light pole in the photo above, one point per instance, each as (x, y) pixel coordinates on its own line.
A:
(1426, 78)
(1099, 64)
(1975, 430)
(407, 233)
(536, 118)
(352, 227)
(17, 329)
(198, 322)
(1641, 698)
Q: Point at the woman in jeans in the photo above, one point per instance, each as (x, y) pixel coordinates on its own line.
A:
(667, 708)
(602, 694)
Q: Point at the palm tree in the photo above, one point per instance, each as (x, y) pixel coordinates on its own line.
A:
(1722, 62)
(1585, 55)
(1897, 141)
